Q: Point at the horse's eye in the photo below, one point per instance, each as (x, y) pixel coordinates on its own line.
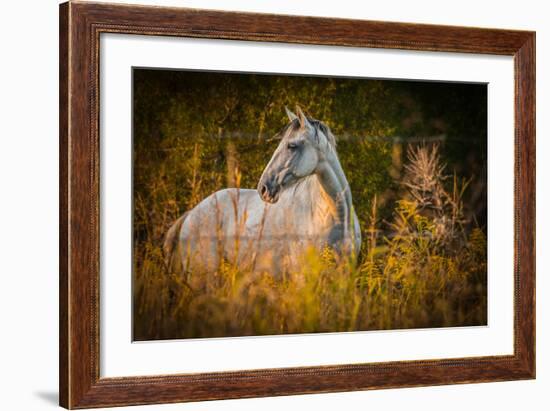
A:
(292, 146)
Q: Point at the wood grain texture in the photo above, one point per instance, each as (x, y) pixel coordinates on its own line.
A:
(80, 27)
(63, 205)
(525, 203)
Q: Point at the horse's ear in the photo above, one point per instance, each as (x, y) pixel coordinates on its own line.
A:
(290, 114)
(302, 117)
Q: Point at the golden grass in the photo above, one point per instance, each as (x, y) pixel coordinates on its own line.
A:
(427, 270)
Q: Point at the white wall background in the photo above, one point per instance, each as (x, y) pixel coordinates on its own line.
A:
(29, 192)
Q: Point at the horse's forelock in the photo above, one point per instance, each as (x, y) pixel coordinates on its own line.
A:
(294, 125)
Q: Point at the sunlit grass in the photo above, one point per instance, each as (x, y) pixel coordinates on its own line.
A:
(425, 268)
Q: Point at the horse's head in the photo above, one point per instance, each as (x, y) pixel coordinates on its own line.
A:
(303, 144)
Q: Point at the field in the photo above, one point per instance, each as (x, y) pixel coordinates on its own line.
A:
(420, 200)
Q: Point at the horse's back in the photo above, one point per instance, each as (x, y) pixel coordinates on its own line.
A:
(224, 205)
(210, 229)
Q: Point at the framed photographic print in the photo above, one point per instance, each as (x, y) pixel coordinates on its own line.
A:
(256, 205)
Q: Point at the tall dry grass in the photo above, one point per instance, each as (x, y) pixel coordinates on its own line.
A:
(424, 268)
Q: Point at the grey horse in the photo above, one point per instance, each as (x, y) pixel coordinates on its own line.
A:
(303, 201)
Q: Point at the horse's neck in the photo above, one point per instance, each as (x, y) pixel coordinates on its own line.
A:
(327, 192)
(334, 183)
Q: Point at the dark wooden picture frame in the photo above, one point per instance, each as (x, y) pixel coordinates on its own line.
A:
(80, 27)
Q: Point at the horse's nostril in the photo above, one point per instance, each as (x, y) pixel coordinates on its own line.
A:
(263, 189)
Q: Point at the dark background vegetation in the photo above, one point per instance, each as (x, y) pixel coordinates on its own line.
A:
(198, 132)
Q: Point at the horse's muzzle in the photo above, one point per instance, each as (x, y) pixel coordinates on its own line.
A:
(268, 192)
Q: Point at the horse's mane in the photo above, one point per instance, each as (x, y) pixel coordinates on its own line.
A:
(319, 125)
